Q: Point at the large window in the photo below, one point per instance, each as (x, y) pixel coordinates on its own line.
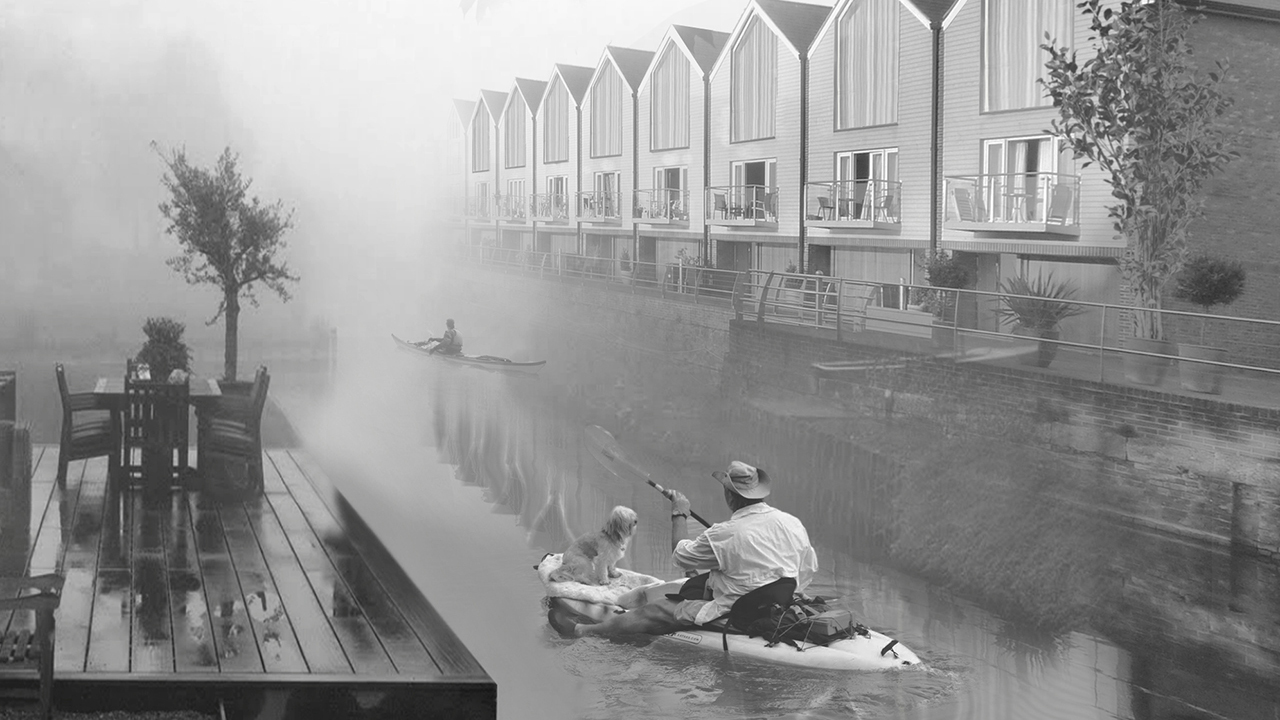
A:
(480, 141)
(607, 112)
(867, 64)
(669, 101)
(866, 180)
(513, 132)
(1017, 173)
(754, 91)
(557, 109)
(1012, 33)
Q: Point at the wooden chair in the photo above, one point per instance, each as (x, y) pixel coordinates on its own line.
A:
(231, 430)
(26, 650)
(155, 424)
(85, 437)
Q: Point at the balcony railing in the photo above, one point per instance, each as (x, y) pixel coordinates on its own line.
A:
(742, 205)
(550, 207)
(868, 204)
(661, 206)
(513, 208)
(600, 207)
(480, 208)
(1015, 202)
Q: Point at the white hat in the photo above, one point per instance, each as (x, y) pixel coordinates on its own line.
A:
(746, 480)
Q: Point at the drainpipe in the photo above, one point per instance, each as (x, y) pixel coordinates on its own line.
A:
(935, 140)
(706, 165)
(577, 153)
(804, 150)
(533, 178)
(635, 178)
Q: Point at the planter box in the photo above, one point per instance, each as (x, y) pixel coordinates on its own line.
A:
(913, 323)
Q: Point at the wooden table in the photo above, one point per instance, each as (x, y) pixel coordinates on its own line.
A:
(110, 393)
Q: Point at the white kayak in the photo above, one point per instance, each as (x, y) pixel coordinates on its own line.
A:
(592, 603)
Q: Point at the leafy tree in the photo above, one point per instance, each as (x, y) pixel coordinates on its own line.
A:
(227, 238)
(1207, 280)
(1140, 109)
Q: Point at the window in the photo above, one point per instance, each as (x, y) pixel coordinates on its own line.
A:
(608, 185)
(556, 111)
(480, 141)
(606, 113)
(753, 90)
(515, 200)
(670, 193)
(558, 185)
(867, 64)
(865, 181)
(754, 194)
(669, 101)
(1012, 32)
(1016, 173)
(513, 132)
(481, 200)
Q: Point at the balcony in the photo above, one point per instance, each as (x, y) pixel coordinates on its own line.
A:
(513, 208)
(661, 206)
(742, 206)
(550, 208)
(1023, 203)
(604, 208)
(870, 204)
(479, 208)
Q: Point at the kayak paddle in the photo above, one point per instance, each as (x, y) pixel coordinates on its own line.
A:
(605, 448)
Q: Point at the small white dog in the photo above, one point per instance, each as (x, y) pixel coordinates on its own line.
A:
(593, 558)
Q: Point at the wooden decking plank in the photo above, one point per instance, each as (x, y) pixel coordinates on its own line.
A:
(317, 637)
(116, 528)
(277, 641)
(109, 627)
(447, 650)
(79, 563)
(407, 649)
(233, 635)
(193, 647)
(46, 552)
(151, 634)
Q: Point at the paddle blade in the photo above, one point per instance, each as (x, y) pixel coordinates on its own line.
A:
(605, 449)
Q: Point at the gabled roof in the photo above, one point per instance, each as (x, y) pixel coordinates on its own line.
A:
(700, 45)
(797, 24)
(492, 101)
(465, 109)
(531, 91)
(577, 79)
(632, 63)
(928, 12)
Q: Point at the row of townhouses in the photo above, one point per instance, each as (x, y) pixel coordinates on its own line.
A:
(847, 140)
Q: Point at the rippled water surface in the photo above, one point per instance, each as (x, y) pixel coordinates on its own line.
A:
(468, 488)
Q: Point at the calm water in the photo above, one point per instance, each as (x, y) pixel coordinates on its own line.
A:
(468, 487)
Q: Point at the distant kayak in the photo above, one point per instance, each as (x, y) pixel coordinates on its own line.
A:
(491, 362)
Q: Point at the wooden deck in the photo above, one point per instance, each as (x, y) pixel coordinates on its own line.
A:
(283, 604)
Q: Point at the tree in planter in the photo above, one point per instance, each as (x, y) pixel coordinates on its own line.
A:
(164, 351)
(1207, 281)
(943, 270)
(227, 238)
(1141, 110)
(1038, 307)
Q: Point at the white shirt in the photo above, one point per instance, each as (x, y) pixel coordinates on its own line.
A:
(756, 546)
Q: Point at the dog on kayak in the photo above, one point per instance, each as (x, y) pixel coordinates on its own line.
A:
(593, 558)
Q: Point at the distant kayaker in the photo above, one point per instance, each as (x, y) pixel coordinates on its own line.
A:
(756, 546)
(450, 344)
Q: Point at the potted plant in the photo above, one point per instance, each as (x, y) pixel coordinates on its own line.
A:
(164, 352)
(1035, 308)
(943, 270)
(1206, 281)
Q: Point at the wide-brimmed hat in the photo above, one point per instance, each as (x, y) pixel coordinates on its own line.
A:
(746, 480)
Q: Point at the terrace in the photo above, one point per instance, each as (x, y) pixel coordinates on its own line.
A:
(661, 206)
(854, 204)
(742, 206)
(1024, 203)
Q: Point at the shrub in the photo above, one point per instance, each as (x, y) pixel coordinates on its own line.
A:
(164, 351)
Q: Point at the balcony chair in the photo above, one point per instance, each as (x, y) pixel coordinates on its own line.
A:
(155, 424)
(1060, 200)
(826, 211)
(887, 207)
(721, 205)
(231, 429)
(968, 207)
(24, 651)
(84, 436)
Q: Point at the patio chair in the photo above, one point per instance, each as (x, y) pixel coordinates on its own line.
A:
(155, 424)
(886, 207)
(24, 651)
(231, 430)
(968, 208)
(1060, 199)
(85, 435)
(826, 210)
(721, 205)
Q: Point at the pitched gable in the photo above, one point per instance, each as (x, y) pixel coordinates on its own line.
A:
(631, 64)
(531, 91)
(704, 45)
(577, 79)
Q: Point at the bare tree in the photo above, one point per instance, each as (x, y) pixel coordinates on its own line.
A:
(227, 238)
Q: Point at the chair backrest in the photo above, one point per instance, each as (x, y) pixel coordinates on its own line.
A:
(64, 392)
(258, 394)
(964, 204)
(155, 413)
(1060, 205)
(721, 202)
(824, 202)
(757, 603)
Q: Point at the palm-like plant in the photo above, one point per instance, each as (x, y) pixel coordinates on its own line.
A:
(1037, 304)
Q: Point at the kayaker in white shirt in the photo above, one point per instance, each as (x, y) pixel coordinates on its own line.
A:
(450, 343)
(756, 546)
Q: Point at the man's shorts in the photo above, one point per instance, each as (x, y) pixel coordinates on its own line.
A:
(694, 595)
(686, 611)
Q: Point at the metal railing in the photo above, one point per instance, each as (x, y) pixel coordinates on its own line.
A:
(599, 206)
(669, 204)
(870, 200)
(1013, 198)
(513, 207)
(757, 203)
(550, 207)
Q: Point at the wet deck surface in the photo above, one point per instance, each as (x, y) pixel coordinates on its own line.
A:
(230, 597)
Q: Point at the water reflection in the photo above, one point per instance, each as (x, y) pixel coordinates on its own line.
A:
(524, 445)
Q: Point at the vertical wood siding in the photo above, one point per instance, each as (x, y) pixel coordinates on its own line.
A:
(559, 101)
(621, 163)
(690, 157)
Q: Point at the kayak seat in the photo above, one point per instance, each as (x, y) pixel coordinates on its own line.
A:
(758, 603)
